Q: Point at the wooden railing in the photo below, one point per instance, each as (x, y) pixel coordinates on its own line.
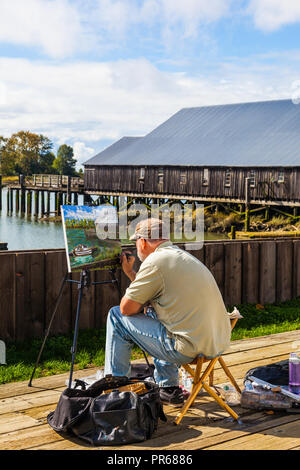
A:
(53, 181)
(264, 271)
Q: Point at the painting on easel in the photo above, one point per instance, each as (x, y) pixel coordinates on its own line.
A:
(90, 237)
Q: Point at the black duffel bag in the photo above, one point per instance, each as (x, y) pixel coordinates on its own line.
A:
(114, 418)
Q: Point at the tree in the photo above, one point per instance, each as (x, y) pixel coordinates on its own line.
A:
(65, 162)
(8, 158)
(27, 153)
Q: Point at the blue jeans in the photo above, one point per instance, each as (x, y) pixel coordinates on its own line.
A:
(151, 336)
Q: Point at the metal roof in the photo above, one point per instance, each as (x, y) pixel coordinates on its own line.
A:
(265, 133)
(105, 156)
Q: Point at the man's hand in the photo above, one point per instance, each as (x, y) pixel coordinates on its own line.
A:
(127, 265)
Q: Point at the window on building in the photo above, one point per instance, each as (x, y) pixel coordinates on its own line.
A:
(252, 179)
(161, 176)
(183, 177)
(142, 173)
(205, 179)
(281, 177)
(227, 178)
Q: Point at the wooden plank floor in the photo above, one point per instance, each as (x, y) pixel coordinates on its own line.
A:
(23, 411)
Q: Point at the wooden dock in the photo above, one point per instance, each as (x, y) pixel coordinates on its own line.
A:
(23, 411)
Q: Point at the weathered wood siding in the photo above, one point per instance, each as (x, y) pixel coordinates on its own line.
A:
(190, 181)
(264, 271)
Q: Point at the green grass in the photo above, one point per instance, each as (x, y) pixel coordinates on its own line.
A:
(56, 357)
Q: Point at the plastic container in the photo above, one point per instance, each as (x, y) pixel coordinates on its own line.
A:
(187, 381)
(294, 373)
(230, 395)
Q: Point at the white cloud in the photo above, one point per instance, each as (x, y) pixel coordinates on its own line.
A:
(51, 25)
(192, 13)
(82, 153)
(63, 28)
(88, 104)
(3, 94)
(270, 15)
(118, 17)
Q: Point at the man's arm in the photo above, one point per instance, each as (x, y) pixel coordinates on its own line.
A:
(129, 307)
(145, 285)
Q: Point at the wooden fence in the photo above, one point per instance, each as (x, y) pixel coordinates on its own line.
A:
(264, 271)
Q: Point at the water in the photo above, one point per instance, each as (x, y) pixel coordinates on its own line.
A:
(28, 233)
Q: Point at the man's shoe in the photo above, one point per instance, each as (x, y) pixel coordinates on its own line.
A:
(171, 395)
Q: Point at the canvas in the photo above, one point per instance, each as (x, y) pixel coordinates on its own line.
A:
(90, 237)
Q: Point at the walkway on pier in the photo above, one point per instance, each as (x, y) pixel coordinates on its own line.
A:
(23, 411)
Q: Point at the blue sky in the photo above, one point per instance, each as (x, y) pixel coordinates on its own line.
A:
(88, 72)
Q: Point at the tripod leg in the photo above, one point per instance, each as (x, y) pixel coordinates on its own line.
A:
(73, 350)
(48, 329)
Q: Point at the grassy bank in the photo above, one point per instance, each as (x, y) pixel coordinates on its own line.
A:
(258, 321)
(221, 222)
(7, 180)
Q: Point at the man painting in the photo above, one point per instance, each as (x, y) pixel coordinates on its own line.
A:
(188, 317)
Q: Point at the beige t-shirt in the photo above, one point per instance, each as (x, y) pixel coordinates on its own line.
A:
(186, 299)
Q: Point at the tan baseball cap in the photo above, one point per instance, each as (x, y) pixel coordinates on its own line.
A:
(150, 229)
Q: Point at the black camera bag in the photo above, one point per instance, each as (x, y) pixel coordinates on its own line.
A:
(114, 418)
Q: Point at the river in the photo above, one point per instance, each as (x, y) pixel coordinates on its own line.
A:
(27, 233)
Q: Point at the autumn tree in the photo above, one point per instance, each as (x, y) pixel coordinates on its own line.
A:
(7, 166)
(26, 153)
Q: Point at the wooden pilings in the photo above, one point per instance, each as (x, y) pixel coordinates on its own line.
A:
(48, 203)
(29, 202)
(36, 203)
(42, 203)
(17, 201)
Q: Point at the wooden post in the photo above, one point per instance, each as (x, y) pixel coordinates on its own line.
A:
(86, 199)
(232, 231)
(29, 199)
(68, 199)
(7, 200)
(22, 183)
(59, 202)
(11, 203)
(36, 203)
(295, 210)
(55, 202)
(267, 213)
(17, 201)
(42, 203)
(48, 203)
(247, 202)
